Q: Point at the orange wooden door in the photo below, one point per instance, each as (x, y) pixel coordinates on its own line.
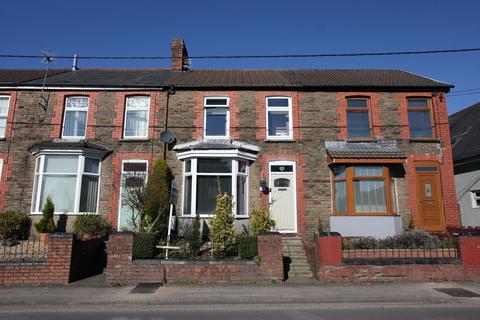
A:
(430, 201)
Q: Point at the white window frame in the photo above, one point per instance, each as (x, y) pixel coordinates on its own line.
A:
(290, 120)
(121, 184)
(220, 106)
(1, 169)
(75, 109)
(38, 180)
(233, 174)
(143, 137)
(5, 115)
(474, 198)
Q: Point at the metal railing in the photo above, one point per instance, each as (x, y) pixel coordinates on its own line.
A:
(31, 250)
(372, 251)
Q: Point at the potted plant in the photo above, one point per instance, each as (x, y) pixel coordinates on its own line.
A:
(91, 226)
(46, 225)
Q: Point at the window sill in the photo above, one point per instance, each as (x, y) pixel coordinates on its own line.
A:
(134, 140)
(424, 140)
(362, 140)
(280, 140)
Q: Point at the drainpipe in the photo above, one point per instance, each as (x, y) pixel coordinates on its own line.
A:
(165, 126)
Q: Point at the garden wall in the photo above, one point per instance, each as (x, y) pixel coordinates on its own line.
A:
(123, 270)
(326, 257)
(67, 260)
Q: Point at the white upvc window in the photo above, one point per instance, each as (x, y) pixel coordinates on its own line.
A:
(475, 198)
(205, 177)
(70, 180)
(1, 169)
(75, 118)
(279, 118)
(4, 104)
(137, 109)
(216, 117)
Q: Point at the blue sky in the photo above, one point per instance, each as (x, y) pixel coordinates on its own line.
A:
(145, 28)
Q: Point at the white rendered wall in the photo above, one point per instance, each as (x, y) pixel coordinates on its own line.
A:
(366, 226)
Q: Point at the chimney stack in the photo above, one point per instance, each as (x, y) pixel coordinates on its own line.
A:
(180, 61)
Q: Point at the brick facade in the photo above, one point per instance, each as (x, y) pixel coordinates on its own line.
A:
(121, 269)
(316, 117)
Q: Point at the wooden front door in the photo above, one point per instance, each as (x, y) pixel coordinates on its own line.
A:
(429, 198)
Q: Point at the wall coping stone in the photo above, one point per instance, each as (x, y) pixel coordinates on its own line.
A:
(192, 262)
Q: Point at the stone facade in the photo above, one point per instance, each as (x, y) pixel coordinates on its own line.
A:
(316, 116)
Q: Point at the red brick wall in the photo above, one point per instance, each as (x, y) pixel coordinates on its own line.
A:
(330, 269)
(55, 270)
(122, 270)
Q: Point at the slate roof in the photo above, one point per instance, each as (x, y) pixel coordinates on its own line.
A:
(465, 133)
(216, 144)
(295, 79)
(364, 150)
(69, 145)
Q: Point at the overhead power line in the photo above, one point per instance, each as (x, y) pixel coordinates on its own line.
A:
(319, 55)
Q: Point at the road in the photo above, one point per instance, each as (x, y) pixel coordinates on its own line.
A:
(264, 312)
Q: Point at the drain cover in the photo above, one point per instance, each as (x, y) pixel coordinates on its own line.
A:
(457, 292)
(144, 288)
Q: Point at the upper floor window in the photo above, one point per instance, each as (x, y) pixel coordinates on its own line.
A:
(136, 117)
(358, 118)
(71, 181)
(75, 118)
(363, 189)
(475, 198)
(419, 118)
(216, 117)
(4, 104)
(279, 118)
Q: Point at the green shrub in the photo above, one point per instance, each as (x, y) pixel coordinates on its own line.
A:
(14, 225)
(157, 199)
(91, 226)
(222, 229)
(193, 237)
(46, 224)
(247, 247)
(409, 240)
(260, 221)
(144, 245)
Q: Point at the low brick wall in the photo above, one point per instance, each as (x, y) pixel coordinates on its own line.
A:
(330, 268)
(54, 270)
(122, 270)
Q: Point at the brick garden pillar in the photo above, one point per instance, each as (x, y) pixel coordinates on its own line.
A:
(271, 254)
(469, 250)
(59, 258)
(329, 250)
(119, 256)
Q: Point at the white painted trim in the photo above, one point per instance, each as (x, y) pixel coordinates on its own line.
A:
(73, 110)
(126, 109)
(285, 163)
(290, 120)
(227, 122)
(5, 115)
(229, 153)
(121, 184)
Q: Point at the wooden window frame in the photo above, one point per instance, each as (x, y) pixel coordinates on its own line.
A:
(367, 109)
(349, 180)
(429, 109)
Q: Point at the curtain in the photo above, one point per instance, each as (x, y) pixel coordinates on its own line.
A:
(75, 123)
(61, 189)
(88, 195)
(136, 124)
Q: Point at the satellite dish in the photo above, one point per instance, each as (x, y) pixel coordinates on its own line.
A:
(167, 137)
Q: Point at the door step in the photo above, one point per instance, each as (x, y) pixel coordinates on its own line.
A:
(297, 266)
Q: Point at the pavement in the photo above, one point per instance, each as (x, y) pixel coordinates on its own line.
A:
(92, 292)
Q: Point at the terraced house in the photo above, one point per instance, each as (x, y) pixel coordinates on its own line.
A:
(361, 152)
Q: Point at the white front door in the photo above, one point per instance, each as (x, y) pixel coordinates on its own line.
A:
(283, 205)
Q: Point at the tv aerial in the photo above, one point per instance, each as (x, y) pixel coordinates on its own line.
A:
(47, 59)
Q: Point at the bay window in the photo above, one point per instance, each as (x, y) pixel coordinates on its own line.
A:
(136, 117)
(419, 118)
(279, 118)
(363, 189)
(4, 105)
(75, 117)
(70, 180)
(216, 124)
(205, 178)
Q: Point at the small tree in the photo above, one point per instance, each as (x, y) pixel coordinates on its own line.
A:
(222, 229)
(260, 220)
(46, 224)
(157, 199)
(193, 237)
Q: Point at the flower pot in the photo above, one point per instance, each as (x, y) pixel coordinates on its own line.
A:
(44, 238)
